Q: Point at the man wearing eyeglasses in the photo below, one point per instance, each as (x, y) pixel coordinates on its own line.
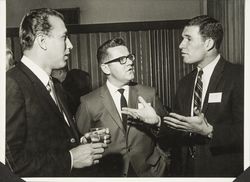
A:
(133, 150)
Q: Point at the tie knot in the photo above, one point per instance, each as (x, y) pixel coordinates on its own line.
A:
(49, 85)
(200, 73)
(121, 90)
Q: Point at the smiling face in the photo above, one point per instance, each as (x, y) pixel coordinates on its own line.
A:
(57, 43)
(118, 74)
(193, 48)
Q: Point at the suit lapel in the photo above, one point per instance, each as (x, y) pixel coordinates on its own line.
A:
(189, 93)
(66, 112)
(214, 80)
(42, 95)
(110, 106)
(133, 97)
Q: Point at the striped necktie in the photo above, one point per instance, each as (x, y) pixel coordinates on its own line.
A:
(197, 105)
(198, 91)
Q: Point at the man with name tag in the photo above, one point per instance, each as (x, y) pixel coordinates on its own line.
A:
(207, 119)
(133, 150)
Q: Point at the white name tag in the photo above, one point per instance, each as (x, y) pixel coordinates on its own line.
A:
(140, 105)
(215, 97)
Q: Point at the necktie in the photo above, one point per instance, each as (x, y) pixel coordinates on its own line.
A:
(198, 91)
(50, 87)
(197, 104)
(123, 104)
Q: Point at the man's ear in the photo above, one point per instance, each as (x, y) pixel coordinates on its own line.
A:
(41, 41)
(105, 69)
(209, 44)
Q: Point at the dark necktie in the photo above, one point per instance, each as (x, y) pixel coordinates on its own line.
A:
(198, 91)
(123, 104)
(197, 104)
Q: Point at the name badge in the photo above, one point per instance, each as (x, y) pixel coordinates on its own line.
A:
(140, 105)
(215, 97)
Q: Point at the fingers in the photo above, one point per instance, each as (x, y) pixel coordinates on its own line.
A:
(83, 140)
(178, 117)
(97, 156)
(98, 145)
(102, 130)
(87, 135)
(131, 112)
(175, 123)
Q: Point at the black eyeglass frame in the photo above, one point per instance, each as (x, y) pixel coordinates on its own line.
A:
(122, 59)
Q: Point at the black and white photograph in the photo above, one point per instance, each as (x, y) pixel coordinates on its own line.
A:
(124, 90)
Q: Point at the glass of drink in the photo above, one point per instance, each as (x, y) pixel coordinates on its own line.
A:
(99, 134)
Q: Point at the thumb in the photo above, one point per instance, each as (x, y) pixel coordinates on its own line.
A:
(141, 100)
(196, 111)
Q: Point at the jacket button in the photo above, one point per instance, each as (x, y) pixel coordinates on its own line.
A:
(72, 140)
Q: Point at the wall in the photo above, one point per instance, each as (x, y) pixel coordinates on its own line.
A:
(111, 11)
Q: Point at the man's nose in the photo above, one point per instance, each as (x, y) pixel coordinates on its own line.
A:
(181, 44)
(69, 44)
(129, 62)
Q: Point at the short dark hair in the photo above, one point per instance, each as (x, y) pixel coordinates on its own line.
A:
(102, 50)
(209, 28)
(33, 23)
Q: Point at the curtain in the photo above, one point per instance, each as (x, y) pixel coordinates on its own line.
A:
(158, 61)
(231, 14)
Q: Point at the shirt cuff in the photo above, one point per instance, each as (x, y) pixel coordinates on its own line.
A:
(71, 159)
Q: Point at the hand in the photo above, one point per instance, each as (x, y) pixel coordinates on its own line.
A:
(196, 124)
(104, 134)
(146, 114)
(87, 154)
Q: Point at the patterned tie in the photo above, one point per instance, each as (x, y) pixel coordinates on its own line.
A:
(123, 104)
(50, 87)
(198, 91)
(197, 105)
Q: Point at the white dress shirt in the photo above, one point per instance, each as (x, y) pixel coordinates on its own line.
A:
(116, 95)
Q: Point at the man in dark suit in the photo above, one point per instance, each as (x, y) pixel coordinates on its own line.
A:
(41, 136)
(208, 117)
(133, 150)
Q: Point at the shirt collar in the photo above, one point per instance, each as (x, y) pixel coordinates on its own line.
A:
(113, 89)
(39, 72)
(210, 67)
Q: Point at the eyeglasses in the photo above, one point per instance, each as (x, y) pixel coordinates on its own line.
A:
(122, 59)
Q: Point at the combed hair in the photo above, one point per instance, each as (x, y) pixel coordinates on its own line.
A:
(209, 28)
(33, 23)
(102, 50)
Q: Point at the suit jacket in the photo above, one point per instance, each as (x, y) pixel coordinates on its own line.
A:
(137, 147)
(38, 138)
(223, 154)
(7, 175)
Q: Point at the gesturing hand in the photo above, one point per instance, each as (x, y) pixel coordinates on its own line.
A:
(195, 124)
(87, 154)
(146, 114)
